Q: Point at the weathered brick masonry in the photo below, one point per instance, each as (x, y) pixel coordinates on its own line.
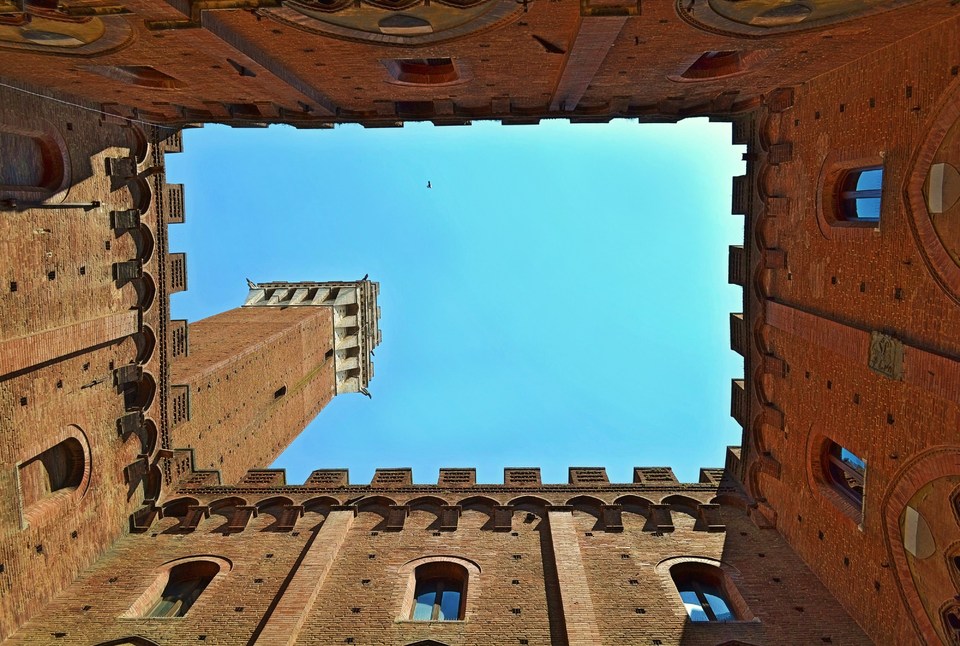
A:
(126, 438)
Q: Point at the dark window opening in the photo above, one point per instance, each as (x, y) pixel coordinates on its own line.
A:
(280, 392)
(859, 195)
(423, 71)
(714, 64)
(184, 586)
(58, 469)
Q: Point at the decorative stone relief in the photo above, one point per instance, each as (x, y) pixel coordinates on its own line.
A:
(886, 355)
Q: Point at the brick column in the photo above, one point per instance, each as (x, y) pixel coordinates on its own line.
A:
(578, 614)
(284, 623)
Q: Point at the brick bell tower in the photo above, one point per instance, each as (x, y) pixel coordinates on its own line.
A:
(255, 376)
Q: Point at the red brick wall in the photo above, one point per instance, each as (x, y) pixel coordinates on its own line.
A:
(839, 284)
(362, 596)
(237, 361)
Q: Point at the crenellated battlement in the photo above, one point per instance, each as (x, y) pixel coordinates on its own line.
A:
(460, 479)
(654, 494)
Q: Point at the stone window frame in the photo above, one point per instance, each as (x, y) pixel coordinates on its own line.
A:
(730, 582)
(161, 576)
(397, 75)
(407, 583)
(57, 503)
(833, 172)
(825, 484)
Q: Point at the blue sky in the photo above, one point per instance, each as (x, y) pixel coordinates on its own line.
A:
(558, 298)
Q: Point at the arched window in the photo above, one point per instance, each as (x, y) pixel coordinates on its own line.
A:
(859, 195)
(423, 71)
(184, 585)
(440, 592)
(54, 474)
(845, 472)
(704, 591)
(713, 65)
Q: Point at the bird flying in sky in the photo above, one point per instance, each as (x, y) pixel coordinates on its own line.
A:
(429, 185)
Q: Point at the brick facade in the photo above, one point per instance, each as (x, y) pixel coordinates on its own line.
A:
(127, 439)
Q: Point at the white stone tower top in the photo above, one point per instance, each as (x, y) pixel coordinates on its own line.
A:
(356, 321)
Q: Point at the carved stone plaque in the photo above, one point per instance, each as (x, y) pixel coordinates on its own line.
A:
(886, 355)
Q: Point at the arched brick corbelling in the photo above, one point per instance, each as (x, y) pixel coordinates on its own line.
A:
(137, 143)
(533, 501)
(274, 501)
(321, 501)
(768, 181)
(586, 502)
(479, 501)
(769, 128)
(767, 233)
(732, 500)
(756, 433)
(682, 504)
(177, 508)
(631, 499)
(140, 194)
(427, 503)
(919, 470)
(753, 481)
(762, 386)
(146, 290)
(146, 342)
(145, 242)
(943, 268)
(226, 503)
(371, 501)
